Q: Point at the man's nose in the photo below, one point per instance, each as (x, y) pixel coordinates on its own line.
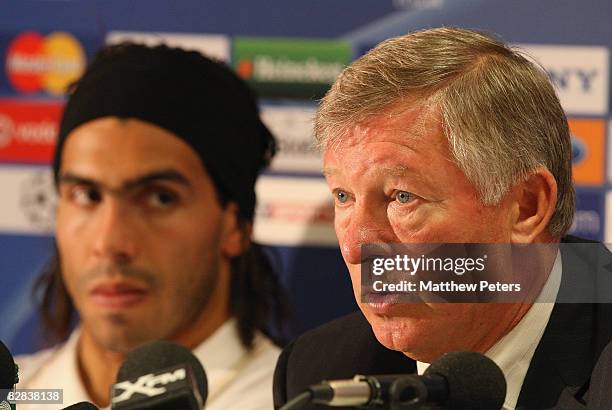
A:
(365, 226)
(114, 236)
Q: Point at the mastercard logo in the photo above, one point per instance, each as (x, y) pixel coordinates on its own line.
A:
(49, 63)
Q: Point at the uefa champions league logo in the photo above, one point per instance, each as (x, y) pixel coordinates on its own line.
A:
(38, 200)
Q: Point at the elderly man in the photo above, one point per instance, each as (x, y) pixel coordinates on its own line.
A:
(157, 157)
(449, 136)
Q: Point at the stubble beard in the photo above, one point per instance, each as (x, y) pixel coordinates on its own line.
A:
(120, 333)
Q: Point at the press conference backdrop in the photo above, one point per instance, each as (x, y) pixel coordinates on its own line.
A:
(290, 51)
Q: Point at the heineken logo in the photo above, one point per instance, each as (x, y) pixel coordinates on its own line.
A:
(284, 70)
(290, 68)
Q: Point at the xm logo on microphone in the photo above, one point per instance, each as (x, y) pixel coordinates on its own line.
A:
(148, 385)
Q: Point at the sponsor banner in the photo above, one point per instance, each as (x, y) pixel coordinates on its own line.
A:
(293, 128)
(36, 63)
(588, 150)
(294, 211)
(290, 68)
(28, 130)
(214, 46)
(29, 200)
(589, 217)
(580, 75)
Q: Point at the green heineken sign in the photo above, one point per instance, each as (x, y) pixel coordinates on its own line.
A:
(290, 68)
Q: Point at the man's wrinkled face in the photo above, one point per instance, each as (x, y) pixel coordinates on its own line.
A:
(393, 181)
(140, 231)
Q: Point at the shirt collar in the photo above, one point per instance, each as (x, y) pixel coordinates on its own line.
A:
(513, 352)
(222, 355)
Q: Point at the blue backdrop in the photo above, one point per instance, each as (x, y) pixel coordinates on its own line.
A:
(26, 205)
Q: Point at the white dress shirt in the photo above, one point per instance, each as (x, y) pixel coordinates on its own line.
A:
(513, 352)
(237, 379)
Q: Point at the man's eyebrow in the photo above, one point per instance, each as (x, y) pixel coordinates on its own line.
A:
(163, 175)
(396, 171)
(71, 178)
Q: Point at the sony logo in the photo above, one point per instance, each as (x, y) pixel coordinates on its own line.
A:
(579, 73)
(573, 78)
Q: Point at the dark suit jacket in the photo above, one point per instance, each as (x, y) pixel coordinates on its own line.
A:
(561, 366)
(600, 390)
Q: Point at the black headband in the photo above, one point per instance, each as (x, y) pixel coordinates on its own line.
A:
(201, 101)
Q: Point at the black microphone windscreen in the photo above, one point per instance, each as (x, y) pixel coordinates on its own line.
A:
(154, 356)
(8, 371)
(83, 405)
(474, 380)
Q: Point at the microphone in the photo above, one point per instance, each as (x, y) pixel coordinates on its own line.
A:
(8, 374)
(457, 380)
(160, 376)
(82, 405)
(473, 380)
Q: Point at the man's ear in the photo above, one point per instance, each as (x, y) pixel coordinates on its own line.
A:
(535, 202)
(233, 236)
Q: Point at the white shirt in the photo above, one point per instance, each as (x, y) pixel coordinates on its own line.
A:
(237, 379)
(513, 352)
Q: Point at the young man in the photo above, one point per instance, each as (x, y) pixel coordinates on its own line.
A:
(156, 162)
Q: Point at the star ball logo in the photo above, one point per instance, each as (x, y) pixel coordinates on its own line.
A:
(49, 63)
(579, 149)
(38, 200)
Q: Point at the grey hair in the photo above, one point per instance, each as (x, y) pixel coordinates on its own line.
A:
(500, 113)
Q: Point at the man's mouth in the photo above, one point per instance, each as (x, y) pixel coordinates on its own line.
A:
(384, 302)
(380, 302)
(118, 294)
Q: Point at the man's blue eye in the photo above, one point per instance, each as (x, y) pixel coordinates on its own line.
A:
(404, 197)
(342, 196)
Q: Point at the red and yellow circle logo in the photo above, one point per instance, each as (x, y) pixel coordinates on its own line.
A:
(35, 63)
